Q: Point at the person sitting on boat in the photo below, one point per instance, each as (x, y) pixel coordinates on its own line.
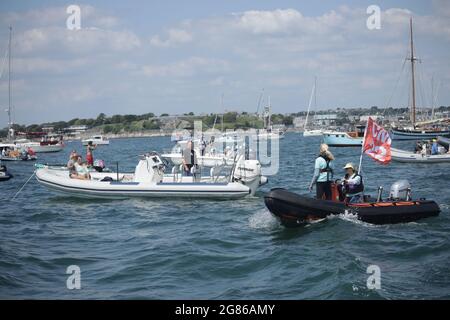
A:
(189, 158)
(352, 183)
(82, 171)
(418, 147)
(434, 148)
(323, 173)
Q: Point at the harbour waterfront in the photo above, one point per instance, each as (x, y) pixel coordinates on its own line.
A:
(182, 249)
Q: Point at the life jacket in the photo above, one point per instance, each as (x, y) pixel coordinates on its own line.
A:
(354, 188)
(327, 169)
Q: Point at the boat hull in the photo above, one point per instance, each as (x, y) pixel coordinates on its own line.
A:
(38, 148)
(312, 133)
(97, 143)
(294, 210)
(339, 139)
(410, 157)
(60, 182)
(397, 134)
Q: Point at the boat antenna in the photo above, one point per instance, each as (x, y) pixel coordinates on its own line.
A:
(9, 83)
(413, 85)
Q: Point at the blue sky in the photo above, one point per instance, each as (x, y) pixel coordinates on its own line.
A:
(181, 56)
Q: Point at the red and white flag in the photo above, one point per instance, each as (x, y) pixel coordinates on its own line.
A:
(377, 142)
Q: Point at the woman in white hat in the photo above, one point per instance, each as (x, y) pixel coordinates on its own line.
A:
(323, 173)
(352, 184)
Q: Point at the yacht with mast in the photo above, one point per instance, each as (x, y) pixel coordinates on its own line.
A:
(45, 145)
(417, 130)
(312, 132)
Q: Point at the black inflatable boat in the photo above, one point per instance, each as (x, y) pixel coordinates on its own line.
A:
(4, 174)
(294, 210)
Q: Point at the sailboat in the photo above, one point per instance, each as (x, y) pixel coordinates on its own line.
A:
(47, 144)
(414, 132)
(312, 132)
(268, 132)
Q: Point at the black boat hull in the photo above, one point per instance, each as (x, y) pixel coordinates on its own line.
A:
(294, 210)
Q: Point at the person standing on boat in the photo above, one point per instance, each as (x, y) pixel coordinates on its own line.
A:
(202, 146)
(434, 148)
(189, 158)
(89, 154)
(352, 183)
(323, 173)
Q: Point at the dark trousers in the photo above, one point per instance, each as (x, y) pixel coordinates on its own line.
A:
(323, 188)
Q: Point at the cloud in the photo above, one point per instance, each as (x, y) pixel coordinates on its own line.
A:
(174, 37)
(186, 68)
(269, 21)
(75, 41)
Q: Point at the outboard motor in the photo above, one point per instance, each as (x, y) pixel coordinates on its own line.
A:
(248, 172)
(400, 190)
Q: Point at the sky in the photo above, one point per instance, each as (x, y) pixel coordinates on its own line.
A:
(134, 57)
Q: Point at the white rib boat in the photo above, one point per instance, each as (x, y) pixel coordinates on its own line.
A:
(149, 180)
(411, 157)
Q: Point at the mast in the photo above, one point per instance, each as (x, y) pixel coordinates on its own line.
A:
(9, 82)
(432, 98)
(313, 91)
(413, 84)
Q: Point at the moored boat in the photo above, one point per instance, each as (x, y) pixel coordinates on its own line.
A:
(13, 152)
(313, 133)
(415, 134)
(344, 139)
(4, 173)
(97, 140)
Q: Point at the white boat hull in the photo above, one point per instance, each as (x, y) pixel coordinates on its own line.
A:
(59, 181)
(97, 143)
(410, 157)
(38, 148)
(312, 133)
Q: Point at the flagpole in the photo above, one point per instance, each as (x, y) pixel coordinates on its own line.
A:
(362, 147)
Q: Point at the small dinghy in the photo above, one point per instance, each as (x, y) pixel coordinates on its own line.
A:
(4, 174)
(411, 157)
(295, 210)
(149, 180)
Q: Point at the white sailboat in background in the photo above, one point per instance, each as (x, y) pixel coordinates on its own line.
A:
(47, 144)
(312, 132)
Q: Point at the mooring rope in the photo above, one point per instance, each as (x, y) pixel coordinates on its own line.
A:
(23, 186)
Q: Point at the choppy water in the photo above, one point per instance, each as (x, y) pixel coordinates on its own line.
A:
(162, 249)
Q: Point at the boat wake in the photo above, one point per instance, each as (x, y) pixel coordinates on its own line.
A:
(263, 219)
(350, 217)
